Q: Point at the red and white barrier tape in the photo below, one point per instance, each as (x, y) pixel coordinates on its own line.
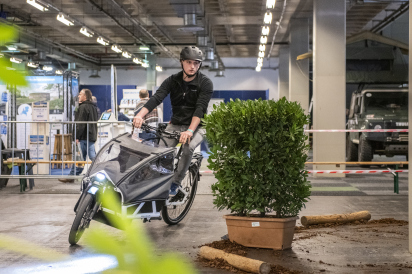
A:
(341, 171)
(356, 130)
(355, 171)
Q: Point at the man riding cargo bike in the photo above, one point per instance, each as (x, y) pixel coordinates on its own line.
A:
(149, 180)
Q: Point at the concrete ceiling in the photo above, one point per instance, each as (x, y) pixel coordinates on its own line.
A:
(231, 28)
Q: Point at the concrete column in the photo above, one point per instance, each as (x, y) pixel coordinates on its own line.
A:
(410, 135)
(329, 81)
(283, 81)
(151, 72)
(299, 70)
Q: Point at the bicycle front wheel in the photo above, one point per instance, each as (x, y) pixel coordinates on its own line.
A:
(173, 214)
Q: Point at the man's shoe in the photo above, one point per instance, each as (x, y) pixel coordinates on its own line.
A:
(69, 181)
(174, 188)
(63, 180)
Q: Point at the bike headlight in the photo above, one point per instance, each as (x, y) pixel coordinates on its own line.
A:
(93, 190)
(100, 177)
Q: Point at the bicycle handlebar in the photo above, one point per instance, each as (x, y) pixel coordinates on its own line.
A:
(174, 135)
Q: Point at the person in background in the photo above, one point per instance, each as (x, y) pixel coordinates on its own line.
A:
(120, 115)
(86, 134)
(94, 100)
(152, 118)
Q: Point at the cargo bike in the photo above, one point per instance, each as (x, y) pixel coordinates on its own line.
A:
(138, 174)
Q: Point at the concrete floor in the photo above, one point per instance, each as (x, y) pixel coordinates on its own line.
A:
(44, 215)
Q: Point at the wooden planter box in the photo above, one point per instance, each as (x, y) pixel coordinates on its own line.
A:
(274, 233)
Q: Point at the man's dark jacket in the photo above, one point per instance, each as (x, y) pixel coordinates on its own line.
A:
(187, 100)
(87, 112)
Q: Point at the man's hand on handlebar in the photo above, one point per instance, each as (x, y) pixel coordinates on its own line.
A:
(138, 121)
(185, 137)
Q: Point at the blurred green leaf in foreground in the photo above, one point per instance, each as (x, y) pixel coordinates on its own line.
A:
(7, 76)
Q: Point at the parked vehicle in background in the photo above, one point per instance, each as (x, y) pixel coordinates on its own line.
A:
(377, 108)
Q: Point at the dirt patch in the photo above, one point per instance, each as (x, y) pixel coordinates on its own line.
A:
(229, 247)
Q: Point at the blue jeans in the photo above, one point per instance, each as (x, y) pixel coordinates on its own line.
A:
(91, 153)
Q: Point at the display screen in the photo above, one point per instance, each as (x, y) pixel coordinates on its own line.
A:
(105, 116)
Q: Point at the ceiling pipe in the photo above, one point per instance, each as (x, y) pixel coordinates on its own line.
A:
(144, 30)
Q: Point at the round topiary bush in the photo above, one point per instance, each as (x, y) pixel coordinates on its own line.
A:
(258, 153)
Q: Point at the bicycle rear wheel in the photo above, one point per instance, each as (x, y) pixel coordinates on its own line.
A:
(173, 214)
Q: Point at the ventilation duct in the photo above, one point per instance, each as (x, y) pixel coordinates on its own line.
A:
(95, 74)
(202, 41)
(214, 66)
(210, 55)
(219, 74)
(190, 23)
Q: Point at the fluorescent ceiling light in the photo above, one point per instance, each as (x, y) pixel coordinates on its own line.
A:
(126, 54)
(262, 47)
(38, 5)
(159, 68)
(16, 60)
(11, 47)
(117, 48)
(270, 4)
(260, 60)
(261, 54)
(258, 68)
(65, 19)
(137, 60)
(265, 30)
(144, 48)
(263, 39)
(145, 65)
(32, 65)
(86, 32)
(102, 41)
(268, 18)
(58, 72)
(47, 68)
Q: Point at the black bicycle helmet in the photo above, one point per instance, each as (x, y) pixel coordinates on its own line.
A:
(191, 53)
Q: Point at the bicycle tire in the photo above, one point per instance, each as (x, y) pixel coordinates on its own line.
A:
(166, 210)
(78, 227)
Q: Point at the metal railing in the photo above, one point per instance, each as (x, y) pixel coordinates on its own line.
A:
(116, 128)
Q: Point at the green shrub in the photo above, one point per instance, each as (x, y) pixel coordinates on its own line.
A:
(258, 154)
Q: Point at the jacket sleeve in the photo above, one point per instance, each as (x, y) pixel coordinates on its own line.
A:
(81, 128)
(206, 92)
(160, 95)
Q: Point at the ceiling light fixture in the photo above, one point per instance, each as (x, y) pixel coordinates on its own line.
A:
(145, 65)
(47, 68)
(137, 60)
(270, 4)
(260, 60)
(144, 48)
(126, 54)
(38, 5)
(263, 39)
(116, 48)
(159, 68)
(265, 30)
(258, 68)
(32, 65)
(86, 32)
(102, 41)
(60, 72)
(65, 19)
(261, 54)
(262, 47)
(16, 60)
(268, 18)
